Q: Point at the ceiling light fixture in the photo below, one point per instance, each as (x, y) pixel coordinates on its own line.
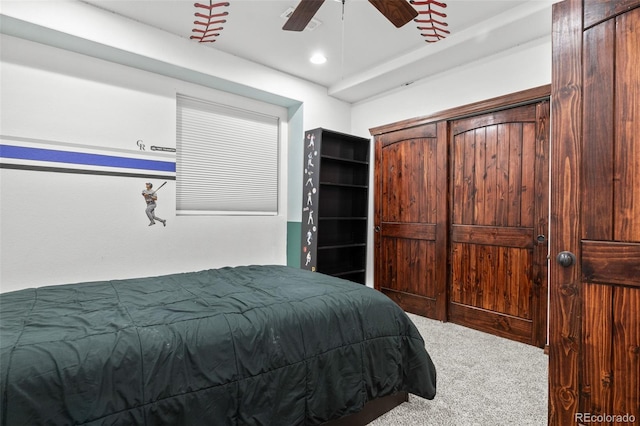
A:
(318, 59)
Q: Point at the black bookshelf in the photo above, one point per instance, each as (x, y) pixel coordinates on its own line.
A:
(335, 203)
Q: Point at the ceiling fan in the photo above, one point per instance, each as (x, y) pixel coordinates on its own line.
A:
(399, 12)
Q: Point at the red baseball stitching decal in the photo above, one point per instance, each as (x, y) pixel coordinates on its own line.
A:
(206, 30)
(434, 28)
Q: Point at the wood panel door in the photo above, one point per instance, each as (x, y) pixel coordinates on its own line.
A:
(499, 222)
(594, 335)
(410, 218)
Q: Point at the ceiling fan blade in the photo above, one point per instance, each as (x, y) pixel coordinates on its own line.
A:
(399, 12)
(302, 15)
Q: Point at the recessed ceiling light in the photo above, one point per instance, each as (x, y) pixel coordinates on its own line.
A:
(318, 58)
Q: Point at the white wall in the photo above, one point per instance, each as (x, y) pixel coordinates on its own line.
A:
(63, 227)
(60, 227)
(513, 70)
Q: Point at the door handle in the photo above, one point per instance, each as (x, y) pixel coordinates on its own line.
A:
(566, 258)
(377, 228)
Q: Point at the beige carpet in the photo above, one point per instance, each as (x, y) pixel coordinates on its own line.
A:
(482, 380)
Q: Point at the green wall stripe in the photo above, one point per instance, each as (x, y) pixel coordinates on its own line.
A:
(293, 243)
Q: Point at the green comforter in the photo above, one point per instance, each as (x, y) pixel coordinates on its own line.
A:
(254, 345)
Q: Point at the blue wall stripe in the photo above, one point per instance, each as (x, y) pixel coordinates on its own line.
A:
(39, 154)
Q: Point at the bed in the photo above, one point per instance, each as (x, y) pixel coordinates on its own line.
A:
(249, 345)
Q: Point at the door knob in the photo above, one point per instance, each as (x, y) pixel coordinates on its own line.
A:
(377, 229)
(566, 258)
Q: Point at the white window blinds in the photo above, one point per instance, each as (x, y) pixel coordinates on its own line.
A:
(226, 160)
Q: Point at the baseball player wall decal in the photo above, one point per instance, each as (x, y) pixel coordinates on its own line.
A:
(150, 198)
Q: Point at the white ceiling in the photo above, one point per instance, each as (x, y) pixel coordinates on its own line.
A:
(366, 54)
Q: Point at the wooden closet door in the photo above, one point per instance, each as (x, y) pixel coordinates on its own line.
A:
(411, 219)
(594, 336)
(499, 211)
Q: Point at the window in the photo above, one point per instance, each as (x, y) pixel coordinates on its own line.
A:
(227, 159)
